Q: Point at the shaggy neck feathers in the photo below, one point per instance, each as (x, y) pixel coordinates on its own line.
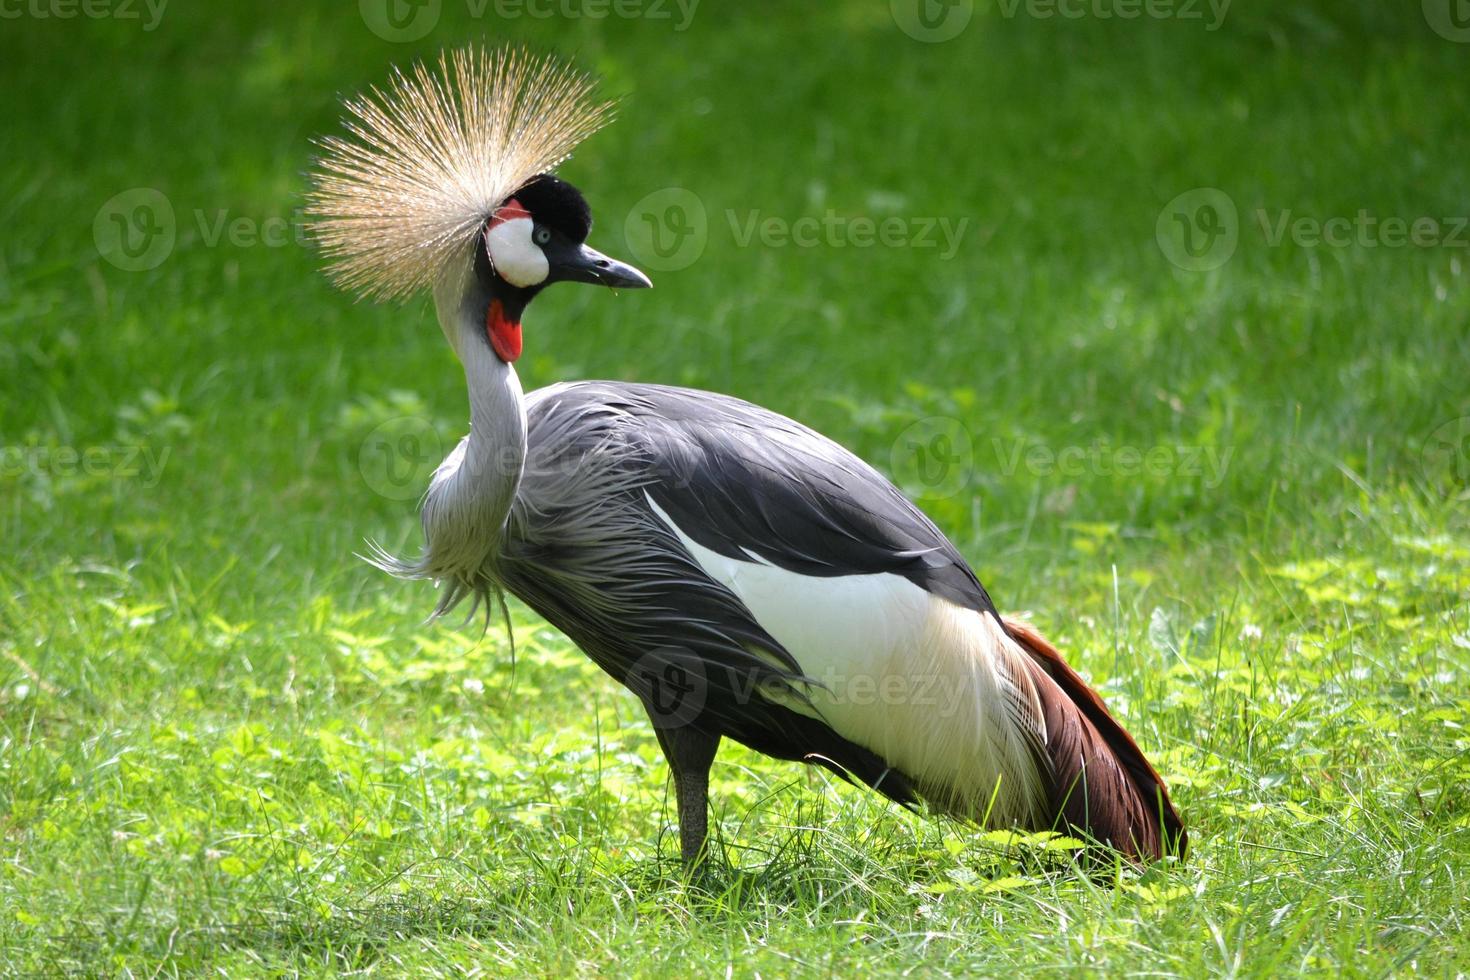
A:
(471, 494)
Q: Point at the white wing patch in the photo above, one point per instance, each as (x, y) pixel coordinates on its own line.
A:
(517, 259)
(938, 691)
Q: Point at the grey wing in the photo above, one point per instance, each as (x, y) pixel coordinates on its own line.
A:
(741, 479)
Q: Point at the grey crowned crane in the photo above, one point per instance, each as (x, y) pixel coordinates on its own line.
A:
(745, 576)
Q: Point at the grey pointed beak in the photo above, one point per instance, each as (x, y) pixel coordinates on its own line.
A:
(589, 265)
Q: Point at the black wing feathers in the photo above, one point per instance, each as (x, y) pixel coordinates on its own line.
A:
(742, 480)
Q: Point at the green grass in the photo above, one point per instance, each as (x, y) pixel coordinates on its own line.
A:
(227, 745)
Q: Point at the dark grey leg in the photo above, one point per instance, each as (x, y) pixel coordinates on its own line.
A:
(690, 753)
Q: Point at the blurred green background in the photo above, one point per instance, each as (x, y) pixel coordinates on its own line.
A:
(1223, 458)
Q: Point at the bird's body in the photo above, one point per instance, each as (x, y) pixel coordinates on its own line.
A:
(751, 579)
(774, 605)
(745, 576)
(762, 583)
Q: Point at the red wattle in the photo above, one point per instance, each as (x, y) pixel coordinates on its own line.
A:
(509, 211)
(504, 333)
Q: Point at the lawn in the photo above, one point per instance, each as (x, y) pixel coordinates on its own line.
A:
(1165, 320)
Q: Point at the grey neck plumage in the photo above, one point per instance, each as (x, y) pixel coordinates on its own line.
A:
(472, 491)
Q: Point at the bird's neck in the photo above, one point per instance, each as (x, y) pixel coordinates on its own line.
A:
(473, 490)
(495, 450)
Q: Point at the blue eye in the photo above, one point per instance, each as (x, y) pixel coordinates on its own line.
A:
(541, 236)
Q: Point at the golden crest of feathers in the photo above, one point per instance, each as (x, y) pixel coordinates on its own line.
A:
(430, 159)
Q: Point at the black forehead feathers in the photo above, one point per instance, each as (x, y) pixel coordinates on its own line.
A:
(555, 203)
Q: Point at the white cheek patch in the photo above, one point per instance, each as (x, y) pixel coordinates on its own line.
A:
(517, 259)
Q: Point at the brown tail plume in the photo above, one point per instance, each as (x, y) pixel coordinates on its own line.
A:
(1103, 786)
